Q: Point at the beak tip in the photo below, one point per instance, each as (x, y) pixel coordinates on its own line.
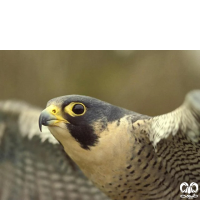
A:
(46, 119)
(40, 123)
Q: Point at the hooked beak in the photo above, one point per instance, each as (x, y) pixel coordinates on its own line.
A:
(51, 116)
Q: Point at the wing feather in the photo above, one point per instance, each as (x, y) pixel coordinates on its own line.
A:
(184, 120)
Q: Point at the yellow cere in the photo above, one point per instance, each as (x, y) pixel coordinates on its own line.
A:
(54, 110)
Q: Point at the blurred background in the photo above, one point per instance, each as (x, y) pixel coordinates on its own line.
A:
(148, 82)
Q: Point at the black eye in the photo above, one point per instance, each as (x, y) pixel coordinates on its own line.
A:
(78, 109)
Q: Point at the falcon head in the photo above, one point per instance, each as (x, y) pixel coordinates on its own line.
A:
(79, 118)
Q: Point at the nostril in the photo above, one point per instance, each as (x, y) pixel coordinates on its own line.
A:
(54, 111)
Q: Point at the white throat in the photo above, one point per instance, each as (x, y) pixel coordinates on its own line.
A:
(103, 160)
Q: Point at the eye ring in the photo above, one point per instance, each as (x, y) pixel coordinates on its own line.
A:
(74, 112)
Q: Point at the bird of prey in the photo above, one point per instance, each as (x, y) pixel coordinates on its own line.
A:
(125, 154)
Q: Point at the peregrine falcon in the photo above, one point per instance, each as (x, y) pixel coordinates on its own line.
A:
(125, 154)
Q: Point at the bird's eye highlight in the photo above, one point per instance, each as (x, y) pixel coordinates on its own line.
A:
(78, 109)
(75, 109)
